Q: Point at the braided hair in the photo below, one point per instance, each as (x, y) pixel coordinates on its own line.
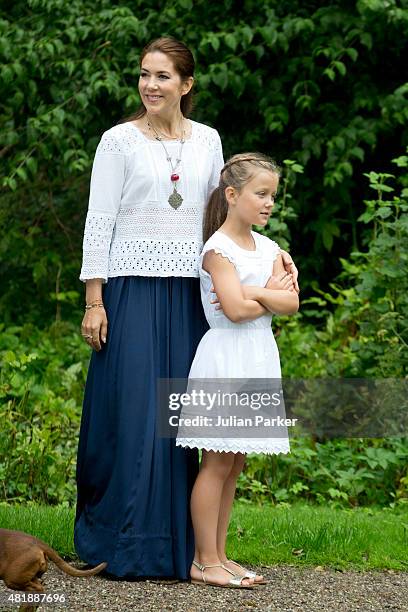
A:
(237, 172)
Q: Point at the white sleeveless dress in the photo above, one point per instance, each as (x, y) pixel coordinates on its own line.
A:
(231, 350)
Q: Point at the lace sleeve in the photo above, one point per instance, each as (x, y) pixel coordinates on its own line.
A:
(221, 247)
(107, 178)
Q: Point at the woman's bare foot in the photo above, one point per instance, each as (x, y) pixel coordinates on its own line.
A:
(217, 575)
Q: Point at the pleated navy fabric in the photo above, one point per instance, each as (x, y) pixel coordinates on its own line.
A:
(134, 487)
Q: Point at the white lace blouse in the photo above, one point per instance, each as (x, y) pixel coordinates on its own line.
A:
(130, 228)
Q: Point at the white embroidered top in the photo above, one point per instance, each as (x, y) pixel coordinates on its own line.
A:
(130, 228)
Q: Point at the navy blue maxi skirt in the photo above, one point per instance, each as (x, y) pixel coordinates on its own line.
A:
(133, 487)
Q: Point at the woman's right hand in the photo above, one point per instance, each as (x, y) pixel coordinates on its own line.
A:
(94, 327)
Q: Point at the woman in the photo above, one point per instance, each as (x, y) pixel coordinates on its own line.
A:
(151, 179)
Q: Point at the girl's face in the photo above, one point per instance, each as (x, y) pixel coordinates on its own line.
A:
(253, 205)
(160, 85)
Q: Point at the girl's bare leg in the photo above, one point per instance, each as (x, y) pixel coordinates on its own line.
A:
(227, 500)
(205, 510)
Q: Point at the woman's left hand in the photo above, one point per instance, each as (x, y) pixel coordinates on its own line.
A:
(290, 268)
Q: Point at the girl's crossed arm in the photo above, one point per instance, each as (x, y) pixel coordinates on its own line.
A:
(279, 295)
(229, 290)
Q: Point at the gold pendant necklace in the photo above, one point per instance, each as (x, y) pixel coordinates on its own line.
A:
(175, 198)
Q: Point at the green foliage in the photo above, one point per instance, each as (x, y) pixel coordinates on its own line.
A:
(361, 327)
(278, 227)
(304, 75)
(41, 386)
(346, 473)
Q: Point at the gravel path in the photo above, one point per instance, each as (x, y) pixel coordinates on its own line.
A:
(290, 589)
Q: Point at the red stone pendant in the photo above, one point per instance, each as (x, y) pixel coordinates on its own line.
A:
(174, 177)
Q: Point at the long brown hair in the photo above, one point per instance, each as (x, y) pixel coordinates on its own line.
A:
(237, 172)
(184, 65)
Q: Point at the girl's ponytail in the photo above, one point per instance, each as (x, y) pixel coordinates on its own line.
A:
(215, 213)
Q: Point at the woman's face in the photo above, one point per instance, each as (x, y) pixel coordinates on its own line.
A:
(160, 85)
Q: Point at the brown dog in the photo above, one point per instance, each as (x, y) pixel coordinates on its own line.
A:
(23, 560)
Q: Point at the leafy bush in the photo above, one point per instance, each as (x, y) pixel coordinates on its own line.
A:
(360, 328)
(41, 386)
(339, 472)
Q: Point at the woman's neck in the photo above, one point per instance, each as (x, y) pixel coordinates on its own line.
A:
(170, 126)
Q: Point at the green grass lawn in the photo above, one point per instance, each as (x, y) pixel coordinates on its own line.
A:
(362, 538)
(303, 535)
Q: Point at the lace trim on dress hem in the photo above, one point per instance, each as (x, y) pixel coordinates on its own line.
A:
(235, 447)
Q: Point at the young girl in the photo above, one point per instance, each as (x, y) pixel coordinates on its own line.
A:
(246, 271)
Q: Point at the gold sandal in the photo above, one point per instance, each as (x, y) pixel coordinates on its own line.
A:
(234, 583)
(248, 573)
